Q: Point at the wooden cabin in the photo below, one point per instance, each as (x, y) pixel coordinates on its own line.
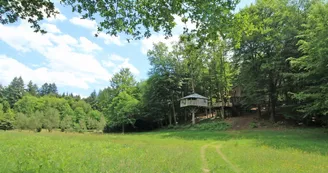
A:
(194, 100)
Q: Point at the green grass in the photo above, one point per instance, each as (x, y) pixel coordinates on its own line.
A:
(166, 151)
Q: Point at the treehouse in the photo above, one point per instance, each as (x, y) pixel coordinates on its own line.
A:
(193, 102)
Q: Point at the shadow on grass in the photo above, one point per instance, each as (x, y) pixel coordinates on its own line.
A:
(307, 140)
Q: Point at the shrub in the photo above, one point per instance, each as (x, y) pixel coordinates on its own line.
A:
(208, 126)
(215, 126)
(66, 123)
(35, 121)
(253, 125)
(21, 121)
(51, 119)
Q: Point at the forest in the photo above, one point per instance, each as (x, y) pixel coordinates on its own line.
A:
(276, 51)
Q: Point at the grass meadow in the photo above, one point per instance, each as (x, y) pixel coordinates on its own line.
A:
(290, 151)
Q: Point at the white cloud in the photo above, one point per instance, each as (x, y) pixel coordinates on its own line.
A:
(108, 63)
(51, 28)
(88, 46)
(92, 25)
(115, 57)
(9, 69)
(109, 39)
(124, 63)
(86, 23)
(67, 65)
(128, 65)
(148, 43)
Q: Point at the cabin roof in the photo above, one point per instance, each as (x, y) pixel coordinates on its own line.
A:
(195, 95)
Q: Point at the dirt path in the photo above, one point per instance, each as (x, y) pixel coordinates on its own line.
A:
(202, 155)
(234, 168)
(242, 122)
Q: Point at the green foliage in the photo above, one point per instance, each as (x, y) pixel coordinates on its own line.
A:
(35, 121)
(29, 104)
(48, 89)
(312, 67)
(266, 37)
(82, 126)
(212, 126)
(124, 109)
(101, 124)
(79, 114)
(32, 89)
(39, 10)
(66, 123)
(15, 91)
(140, 18)
(253, 125)
(51, 119)
(6, 120)
(21, 121)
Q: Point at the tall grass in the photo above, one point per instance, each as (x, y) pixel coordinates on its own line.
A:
(175, 151)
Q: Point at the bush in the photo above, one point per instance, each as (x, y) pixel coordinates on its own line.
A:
(51, 119)
(66, 123)
(35, 121)
(208, 126)
(253, 125)
(215, 126)
(21, 121)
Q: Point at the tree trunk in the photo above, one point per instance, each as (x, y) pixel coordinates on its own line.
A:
(193, 118)
(170, 118)
(206, 113)
(123, 129)
(259, 110)
(273, 101)
(273, 110)
(222, 106)
(173, 110)
(185, 115)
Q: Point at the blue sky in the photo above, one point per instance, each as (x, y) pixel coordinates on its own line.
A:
(71, 56)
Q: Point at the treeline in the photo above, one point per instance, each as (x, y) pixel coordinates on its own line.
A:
(33, 109)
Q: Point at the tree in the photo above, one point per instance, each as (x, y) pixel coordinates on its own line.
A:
(21, 121)
(6, 121)
(15, 91)
(28, 104)
(51, 119)
(123, 81)
(47, 89)
(91, 123)
(101, 124)
(44, 90)
(66, 123)
(124, 110)
(79, 114)
(92, 100)
(32, 88)
(35, 121)
(165, 81)
(311, 68)
(265, 32)
(82, 125)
